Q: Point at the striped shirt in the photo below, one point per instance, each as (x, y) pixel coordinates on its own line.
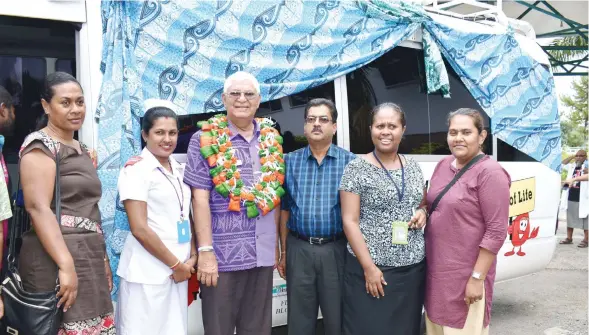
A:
(312, 191)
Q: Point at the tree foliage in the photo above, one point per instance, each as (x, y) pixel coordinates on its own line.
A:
(574, 122)
(566, 55)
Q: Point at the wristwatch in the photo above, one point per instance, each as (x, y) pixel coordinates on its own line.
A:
(477, 275)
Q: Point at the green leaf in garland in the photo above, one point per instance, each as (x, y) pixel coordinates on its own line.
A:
(207, 151)
(222, 189)
(239, 184)
(215, 148)
(273, 149)
(278, 139)
(252, 211)
(264, 184)
(229, 174)
(234, 167)
(280, 192)
(199, 124)
(236, 192)
(215, 171)
(223, 124)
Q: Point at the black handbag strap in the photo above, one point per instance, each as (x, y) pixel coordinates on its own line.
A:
(17, 221)
(456, 177)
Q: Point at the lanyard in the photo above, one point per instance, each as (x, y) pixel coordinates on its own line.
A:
(401, 192)
(180, 201)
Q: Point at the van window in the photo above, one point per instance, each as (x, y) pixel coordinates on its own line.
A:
(507, 153)
(439, 107)
(66, 65)
(393, 77)
(399, 76)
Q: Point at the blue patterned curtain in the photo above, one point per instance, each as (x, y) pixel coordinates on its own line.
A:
(182, 51)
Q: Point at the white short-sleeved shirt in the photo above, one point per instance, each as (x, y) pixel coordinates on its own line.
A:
(144, 181)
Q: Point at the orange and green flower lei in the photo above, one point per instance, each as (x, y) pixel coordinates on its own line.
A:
(216, 148)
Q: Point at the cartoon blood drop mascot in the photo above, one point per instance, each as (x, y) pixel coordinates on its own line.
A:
(520, 233)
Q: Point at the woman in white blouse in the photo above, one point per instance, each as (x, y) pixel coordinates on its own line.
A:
(159, 256)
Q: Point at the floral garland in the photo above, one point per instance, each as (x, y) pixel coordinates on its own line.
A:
(216, 148)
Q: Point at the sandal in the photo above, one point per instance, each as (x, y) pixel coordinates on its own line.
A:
(583, 244)
(566, 241)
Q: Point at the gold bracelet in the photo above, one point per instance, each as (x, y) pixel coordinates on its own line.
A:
(175, 265)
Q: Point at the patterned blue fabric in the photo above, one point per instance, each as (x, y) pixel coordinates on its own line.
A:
(181, 51)
(313, 191)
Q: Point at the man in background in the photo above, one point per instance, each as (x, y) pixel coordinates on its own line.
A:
(577, 204)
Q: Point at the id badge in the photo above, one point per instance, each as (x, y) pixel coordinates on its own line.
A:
(183, 231)
(400, 231)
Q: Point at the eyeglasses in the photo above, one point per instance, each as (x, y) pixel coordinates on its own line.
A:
(580, 156)
(313, 119)
(247, 95)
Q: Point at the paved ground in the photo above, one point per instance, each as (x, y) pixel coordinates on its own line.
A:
(551, 302)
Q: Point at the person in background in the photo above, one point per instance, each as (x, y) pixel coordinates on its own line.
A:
(577, 204)
(313, 244)
(72, 250)
(465, 231)
(6, 126)
(383, 210)
(158, 257)
(236, 244)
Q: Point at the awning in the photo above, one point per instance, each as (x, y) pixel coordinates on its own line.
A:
(544, 20)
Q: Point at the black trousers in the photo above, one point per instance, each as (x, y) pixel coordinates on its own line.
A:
(397, 313)
(314, 278)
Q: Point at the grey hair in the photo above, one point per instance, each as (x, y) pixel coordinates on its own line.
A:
(477, 117)
(241, 75)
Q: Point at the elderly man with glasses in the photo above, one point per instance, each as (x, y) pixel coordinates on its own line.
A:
(236, 244)
(577, 206)
(312, 240)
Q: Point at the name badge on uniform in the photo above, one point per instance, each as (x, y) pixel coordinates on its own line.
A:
(400, 231)
(183, 231)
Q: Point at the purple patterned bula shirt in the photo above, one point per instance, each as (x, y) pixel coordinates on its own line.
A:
(240, 243)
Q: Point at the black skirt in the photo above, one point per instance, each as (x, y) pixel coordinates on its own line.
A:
(397, 313)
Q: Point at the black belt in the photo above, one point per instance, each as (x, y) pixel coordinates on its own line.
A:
(317, 240)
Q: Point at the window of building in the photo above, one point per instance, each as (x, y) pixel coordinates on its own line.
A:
(27, 44)
(23, 78)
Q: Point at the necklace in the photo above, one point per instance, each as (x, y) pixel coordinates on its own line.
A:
(217, 149)
(71, 142)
